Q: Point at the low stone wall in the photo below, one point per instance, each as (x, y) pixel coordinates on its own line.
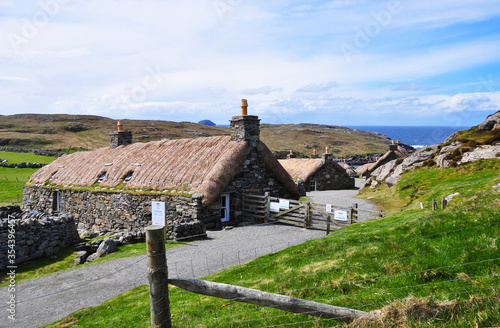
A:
(22, 165)
(100, 211)
(33, 236)
(41, 152)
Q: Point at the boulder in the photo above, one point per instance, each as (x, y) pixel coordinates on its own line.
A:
(481, 152)
(107, 246)
(492, 122)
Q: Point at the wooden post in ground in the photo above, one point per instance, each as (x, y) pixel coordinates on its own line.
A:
(158, 277)
(444, 202)
(350, 214)
(328, 220)
(434, 204)
(268, 207)
(307, 216)
(356, 212)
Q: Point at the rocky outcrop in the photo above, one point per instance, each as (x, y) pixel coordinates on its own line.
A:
(481, 152)
(491, 123)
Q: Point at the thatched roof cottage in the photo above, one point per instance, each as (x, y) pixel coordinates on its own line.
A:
(200, 180)
(318, 173)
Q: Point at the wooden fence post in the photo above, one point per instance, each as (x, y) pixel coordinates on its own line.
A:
(268, 207)
(444, 202)
(158, 277)
(434, 204)
(356, 212)
(307, 219)
(328, 220)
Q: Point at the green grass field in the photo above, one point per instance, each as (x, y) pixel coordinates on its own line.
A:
(12, 180)
(13, 158)
(418, 267)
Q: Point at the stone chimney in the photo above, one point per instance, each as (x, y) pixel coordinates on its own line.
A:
(327, 157)
(393, 146)
(119, 137)
(291, 155)
(315, 154)
(245, 127)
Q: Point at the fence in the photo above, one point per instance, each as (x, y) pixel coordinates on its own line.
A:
(431, 267)
(328, 217)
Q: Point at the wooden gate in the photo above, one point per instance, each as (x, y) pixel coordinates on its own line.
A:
(303, 214)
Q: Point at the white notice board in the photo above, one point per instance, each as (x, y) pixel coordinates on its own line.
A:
(284, 204)
(158, 213)
(341, 215)
(274, 207)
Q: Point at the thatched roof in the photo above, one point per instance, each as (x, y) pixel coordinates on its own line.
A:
(400, 152)
(305, 168)
(203, 165)
(348, 169)
(302, 168)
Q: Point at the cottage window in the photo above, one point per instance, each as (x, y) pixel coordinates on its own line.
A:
(128, 177)
(101, 178)
(224, 208)
(312, 186)
(56, 201)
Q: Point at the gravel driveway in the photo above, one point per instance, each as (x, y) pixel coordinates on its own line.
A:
(366, 210)
(45, 300)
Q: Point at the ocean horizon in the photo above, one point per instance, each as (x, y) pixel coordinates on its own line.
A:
(416, 136)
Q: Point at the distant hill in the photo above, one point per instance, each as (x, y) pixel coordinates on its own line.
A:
(91, 132)
(207, 122)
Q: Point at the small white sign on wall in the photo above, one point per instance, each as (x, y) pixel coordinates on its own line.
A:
(341, 215)
(329, 208)
(158, 213)
(284, 204)
(274, 207)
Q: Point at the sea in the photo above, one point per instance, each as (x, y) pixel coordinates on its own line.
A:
(416, 136)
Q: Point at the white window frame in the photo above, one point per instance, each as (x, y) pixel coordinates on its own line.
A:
(312, 185)
(225, 217)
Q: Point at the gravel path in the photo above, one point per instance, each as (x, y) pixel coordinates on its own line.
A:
(45, 300)
(345, 197)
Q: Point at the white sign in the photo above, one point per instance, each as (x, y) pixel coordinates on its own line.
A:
(284, 204)
(274, 207)
(341, 215)
(329, 208)
(158, 213)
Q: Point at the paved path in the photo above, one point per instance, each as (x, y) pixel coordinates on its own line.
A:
(346, 198)
(45, 300)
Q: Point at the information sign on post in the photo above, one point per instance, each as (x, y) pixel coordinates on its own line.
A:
(158, 213)
(329, 208)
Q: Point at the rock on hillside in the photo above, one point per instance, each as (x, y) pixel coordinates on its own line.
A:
(480, 142)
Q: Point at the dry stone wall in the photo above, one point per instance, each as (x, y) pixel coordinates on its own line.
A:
(100, 211)
(35, 235)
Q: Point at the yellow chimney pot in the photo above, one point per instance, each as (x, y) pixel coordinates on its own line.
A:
(244, 106)
(119, 126)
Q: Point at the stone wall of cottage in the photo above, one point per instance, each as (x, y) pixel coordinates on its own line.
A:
(104, 211)
(33, 236)
(331, 177)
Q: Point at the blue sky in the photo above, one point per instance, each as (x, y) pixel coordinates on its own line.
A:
(341, 62)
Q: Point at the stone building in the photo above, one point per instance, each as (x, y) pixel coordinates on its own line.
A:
(396, 150)
(200, 180)
(318, 173)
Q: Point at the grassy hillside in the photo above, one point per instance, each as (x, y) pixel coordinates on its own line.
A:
(417, 267)
(91, 132)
